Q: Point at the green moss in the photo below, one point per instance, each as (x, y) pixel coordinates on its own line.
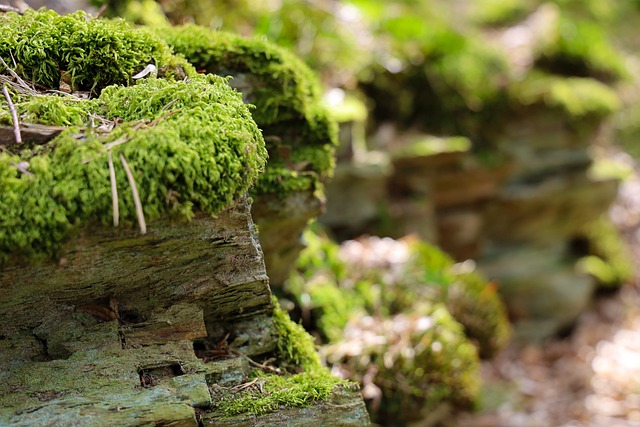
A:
(430, 145)
(581, 48)
(475, 304)
(88, 53)
(295, 346)
(576, 97)
(271, 392)
(609, 259)
(191, 144)
(300, 134)
(296, 351)
(336, 290)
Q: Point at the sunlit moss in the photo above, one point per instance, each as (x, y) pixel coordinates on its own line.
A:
(192, 145)
(87, 53)
(273, 392)
(310, 382)
(300, 135)
(577, 97)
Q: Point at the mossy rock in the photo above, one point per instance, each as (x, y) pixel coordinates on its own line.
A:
(410, 365)
(192, 145)
(386, 277)
(368, 298)
(576, 98)
(87, 53)
(299, 132)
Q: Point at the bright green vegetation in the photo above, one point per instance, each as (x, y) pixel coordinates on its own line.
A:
(89, 54)
(349, 299)
(295, 346)
(430, 145)
(581, 48)
(272, 392)
(609, 259)
(310, 382)
(442, 366)
(192, 146)
(575, 97)
(338, 290)
(299, 132)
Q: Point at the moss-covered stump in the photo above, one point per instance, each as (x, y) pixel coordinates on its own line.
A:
(300, 135)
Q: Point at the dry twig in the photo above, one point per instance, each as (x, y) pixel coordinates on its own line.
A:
(136, 197)
(19, 79)
(14, 115)
(4, 8)
(256, 364)
(114, 192)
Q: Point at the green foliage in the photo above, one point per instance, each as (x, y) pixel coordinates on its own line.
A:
(473, 302)
(273, 392)
(295, 346)
(581, 48)
(337, 289)
(577, 97)
(300, 134)
(191, 144)
(430, 145)
(609, 259)
(88, 53)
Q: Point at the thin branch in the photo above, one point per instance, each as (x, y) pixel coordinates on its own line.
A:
(21, 168)
(136, 197)
(256, 364)
(14, 115)
(15, 75)
(114, 192)
(164, 116)
(4, 8)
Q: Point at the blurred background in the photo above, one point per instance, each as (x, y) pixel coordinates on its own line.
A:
(474, 265)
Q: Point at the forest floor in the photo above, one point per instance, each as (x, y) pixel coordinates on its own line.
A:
(590, 378)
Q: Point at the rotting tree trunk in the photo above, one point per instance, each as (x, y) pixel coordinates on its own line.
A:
(106, 335)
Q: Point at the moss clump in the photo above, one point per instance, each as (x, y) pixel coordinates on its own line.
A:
(576, 97)
(295, 346)
(385, 277)
(300, 135)
(430, 145)
(386, 303)
(416, 362)
(581, 48)
(271, 392)
(609, 259)
(191, 144)
(89, 54)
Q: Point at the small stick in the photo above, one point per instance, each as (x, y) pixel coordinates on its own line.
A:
(14, 115)
(114, 192)
(19, 79)
(256, 364)
(136, 197)
(6, 8)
